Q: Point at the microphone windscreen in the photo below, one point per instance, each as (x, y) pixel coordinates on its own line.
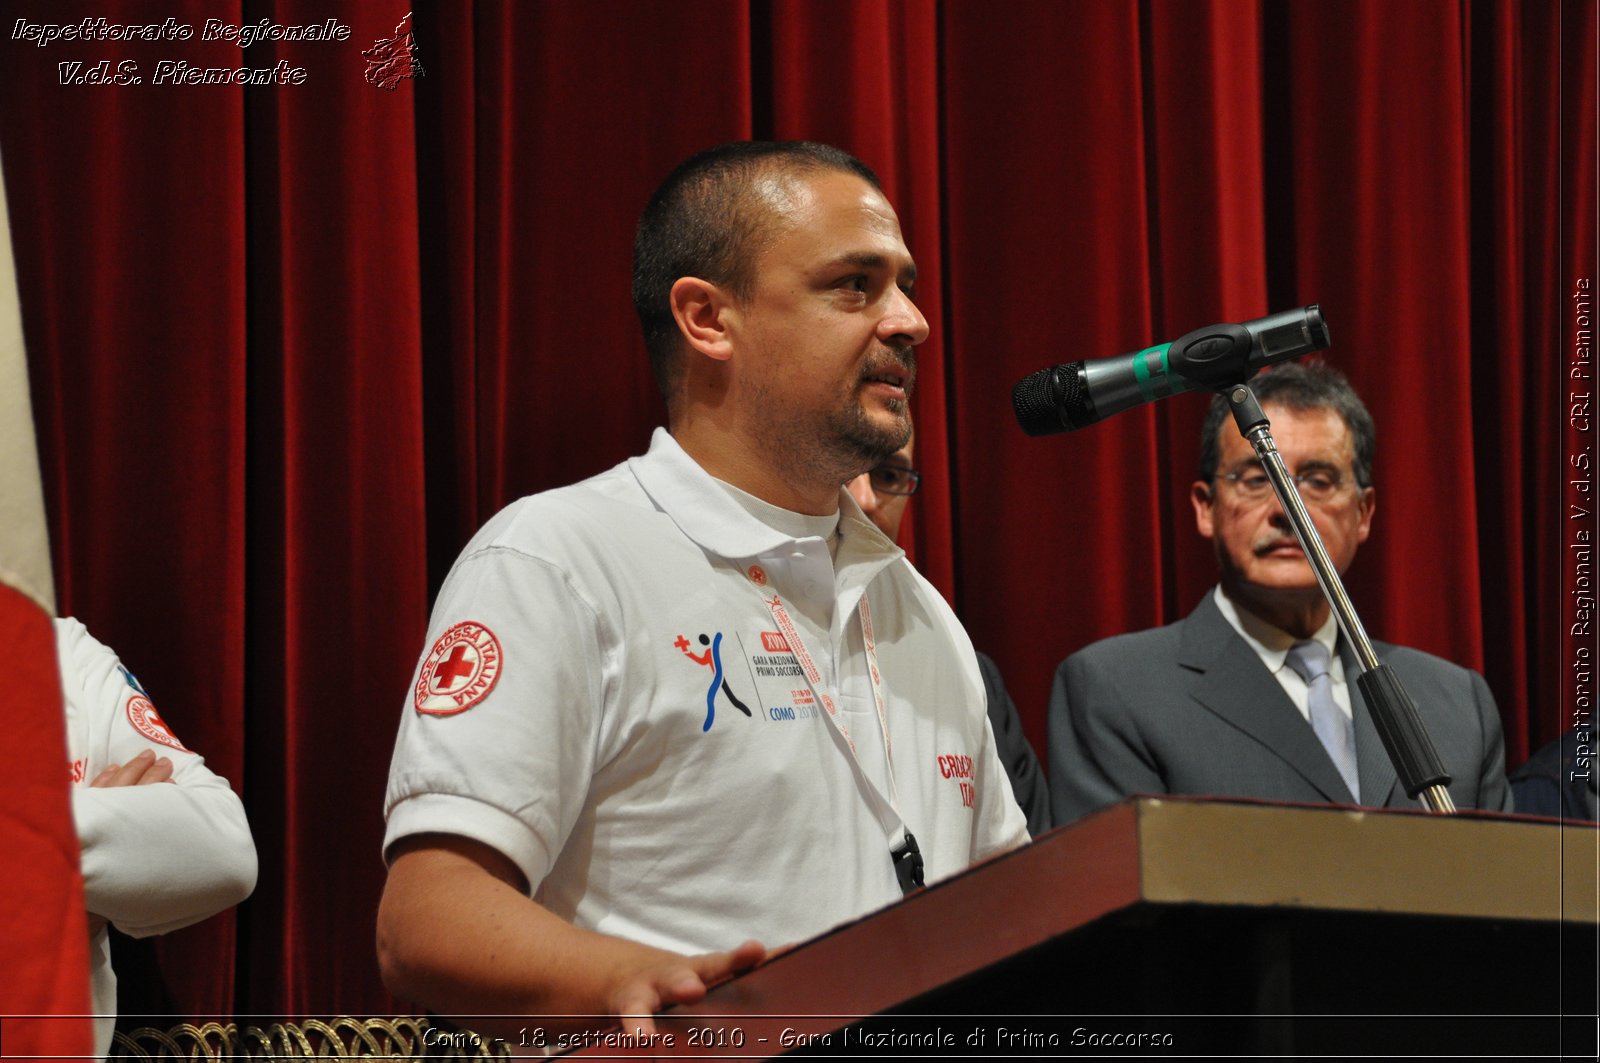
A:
(1052, 400)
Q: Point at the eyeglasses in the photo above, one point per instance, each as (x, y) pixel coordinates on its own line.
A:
(895, 480)
(1316, 485)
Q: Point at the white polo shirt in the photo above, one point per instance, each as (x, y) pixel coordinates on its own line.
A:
(606, 700)
(156, 857)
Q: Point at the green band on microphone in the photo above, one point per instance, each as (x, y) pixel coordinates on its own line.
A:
(1142, 375)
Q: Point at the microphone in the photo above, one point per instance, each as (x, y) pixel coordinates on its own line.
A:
(1067, 397)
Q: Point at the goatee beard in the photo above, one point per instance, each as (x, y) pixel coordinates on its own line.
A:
(863, 444)
(870, 444)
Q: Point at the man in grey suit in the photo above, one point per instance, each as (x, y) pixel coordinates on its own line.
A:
(1216, 704)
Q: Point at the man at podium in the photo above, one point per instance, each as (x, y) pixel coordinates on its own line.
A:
(698, 698)
(1253, 694)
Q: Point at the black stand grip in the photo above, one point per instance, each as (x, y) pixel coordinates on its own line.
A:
(1395, 714)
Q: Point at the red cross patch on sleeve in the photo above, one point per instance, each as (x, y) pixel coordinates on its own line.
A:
(148, 722)
(460, 670)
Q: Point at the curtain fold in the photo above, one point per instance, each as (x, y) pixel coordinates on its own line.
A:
(291, 345)
(1210, 169)
(1381, 187)
(335, 322)
(1048, 237)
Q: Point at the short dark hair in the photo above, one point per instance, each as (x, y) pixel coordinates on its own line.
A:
(1314, 385)
(706, 221)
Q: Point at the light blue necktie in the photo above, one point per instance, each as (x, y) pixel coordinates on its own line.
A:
(1310, 661)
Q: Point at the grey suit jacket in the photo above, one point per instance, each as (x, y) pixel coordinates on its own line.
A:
(1190, 709)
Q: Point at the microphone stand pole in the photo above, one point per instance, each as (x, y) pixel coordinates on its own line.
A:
(1416, 761)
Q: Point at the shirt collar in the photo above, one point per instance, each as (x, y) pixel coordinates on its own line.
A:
(795, 525)
(722, 524)
(1270, 643)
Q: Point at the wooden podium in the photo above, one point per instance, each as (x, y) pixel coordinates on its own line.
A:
(1172, 927)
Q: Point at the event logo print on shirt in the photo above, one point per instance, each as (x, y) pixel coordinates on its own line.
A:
(148, 722)
(712, 659)
(460, 670)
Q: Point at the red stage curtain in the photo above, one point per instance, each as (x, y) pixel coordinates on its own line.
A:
(291, 345)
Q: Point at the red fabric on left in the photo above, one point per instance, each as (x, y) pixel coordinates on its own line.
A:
(45, 977)
(157, 545)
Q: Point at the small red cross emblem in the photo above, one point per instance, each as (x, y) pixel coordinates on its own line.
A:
(446, 674)
(460, 670)
(758, 575)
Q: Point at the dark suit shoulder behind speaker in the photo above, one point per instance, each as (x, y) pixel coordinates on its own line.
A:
(1190, 709)
(1559, 779)
(1016, 754)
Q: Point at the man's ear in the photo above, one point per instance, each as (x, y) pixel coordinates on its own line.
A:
(1203, 496)
(701, 311)
(1369, 505)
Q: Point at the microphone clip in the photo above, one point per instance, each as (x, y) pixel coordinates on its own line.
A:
(1214, 357)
